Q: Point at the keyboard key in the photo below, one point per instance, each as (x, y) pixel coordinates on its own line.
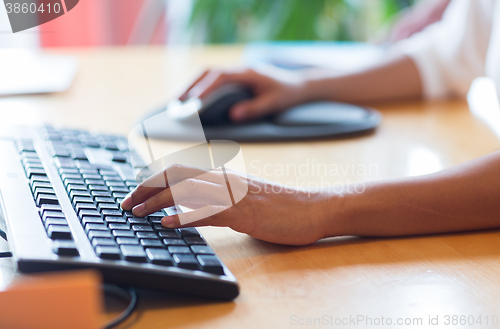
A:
(61, 162)
(95, 182)
(89, 171)
(119, 189)
(101, 199)
(159, 227)
(26, 160)
(77, 193)
(29, 155)
(185, 261)
(202, 250)
(115, 183)
(68, 171)
(195, 240)
(97, 227)
(133, 253)
(81, 199)
(116, 213)
(157, 214)
(146, 235)
(189, 231)
(90, 143)
(109, 146)
(85, 206)
(76, 187)
(99, 234)
(151, 243)
(92, 176)
(65, 248)
(74, 181)
(142, 228)
(47, 191)
(119, 158)
(122, 240)
(155, 220)
(123, 234)
(179, 250)
(108, 252)
(107, 206)
(65, 176)
(105, 172)
(211, 264)
(46, 199)
(32, 163)
(89, 213)
(38, 178)
(35, 171)
(101, 194)
(103, 242)
(52, 214)
(82, 164)
(132, 184)
(59, 152)
(137, 220)
(128, 214)
(36, 185)
(118, 226)
(54, 221)
(112, 178)
(169, 234)
(159, 256)
(50, 207)
(25, 146)
(115, 219)
(98, 188)
(59, 232)
(92, 220)
(79, 155)
(174, 242)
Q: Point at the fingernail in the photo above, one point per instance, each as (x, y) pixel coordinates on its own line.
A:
(138, 209)
(167, 221)
(127, 202)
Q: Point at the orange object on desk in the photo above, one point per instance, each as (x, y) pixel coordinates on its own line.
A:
(55, 300)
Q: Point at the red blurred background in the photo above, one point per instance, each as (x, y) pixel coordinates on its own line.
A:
(97, 23)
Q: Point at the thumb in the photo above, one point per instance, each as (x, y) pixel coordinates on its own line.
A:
(252, 108)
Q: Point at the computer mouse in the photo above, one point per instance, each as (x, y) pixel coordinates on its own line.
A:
(180, 121)
(213, 110)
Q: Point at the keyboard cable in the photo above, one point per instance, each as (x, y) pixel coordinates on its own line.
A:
(127, 293)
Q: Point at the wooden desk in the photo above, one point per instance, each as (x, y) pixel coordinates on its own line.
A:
(334, 279)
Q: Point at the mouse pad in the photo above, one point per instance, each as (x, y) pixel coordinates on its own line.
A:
(307, 121)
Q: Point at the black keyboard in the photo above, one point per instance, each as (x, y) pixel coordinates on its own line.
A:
(77, 181)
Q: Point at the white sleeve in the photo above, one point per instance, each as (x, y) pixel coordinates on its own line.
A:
(449, 54)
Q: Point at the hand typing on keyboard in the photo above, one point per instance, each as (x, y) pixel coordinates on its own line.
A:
(269, 212)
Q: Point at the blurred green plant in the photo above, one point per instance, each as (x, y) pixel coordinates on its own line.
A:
(226, 21)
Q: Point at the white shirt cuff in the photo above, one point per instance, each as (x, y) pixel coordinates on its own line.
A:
(422, 52)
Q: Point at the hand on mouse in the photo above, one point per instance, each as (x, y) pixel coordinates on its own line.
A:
(269, 212)
(271, 94)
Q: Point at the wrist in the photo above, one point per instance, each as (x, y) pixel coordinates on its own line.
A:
(335, 213)
(314, 89)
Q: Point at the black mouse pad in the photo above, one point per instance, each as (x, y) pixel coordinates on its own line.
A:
(307, 121)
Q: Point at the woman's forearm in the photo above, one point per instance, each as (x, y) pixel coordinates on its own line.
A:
(462, 198)
(396, 78)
